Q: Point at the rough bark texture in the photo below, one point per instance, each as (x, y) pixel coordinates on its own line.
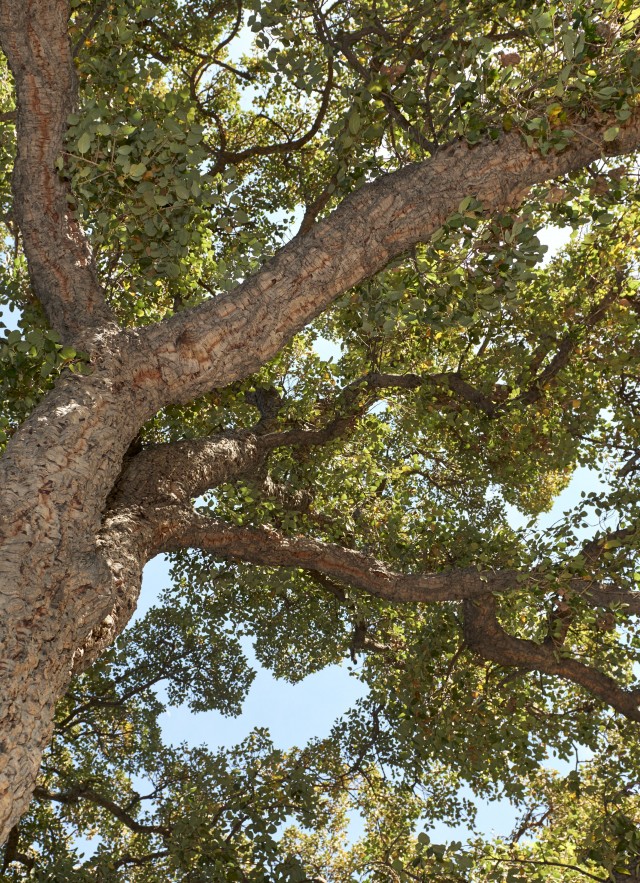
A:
(485, 635)
(34, 38)
(74, 531)
(206, 347)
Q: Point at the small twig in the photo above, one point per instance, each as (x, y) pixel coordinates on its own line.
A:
(77, 46)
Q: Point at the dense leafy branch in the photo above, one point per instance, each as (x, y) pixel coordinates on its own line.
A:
(485, 636)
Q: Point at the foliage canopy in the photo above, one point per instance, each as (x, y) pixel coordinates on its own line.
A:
(471, 379)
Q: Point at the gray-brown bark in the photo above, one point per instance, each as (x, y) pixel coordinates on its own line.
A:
(485, 635)
(207, 345)
(73, 538)
(35, 40)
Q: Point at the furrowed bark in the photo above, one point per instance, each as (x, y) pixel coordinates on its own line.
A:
(155, 481)
(34, 37)
(152, 495)
(204, 347)
(56, 582)
(59, 467)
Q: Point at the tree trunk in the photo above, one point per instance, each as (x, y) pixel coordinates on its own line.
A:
(56, 581)
(63, 572)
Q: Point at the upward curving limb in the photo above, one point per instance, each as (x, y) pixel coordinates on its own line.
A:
(266, 546)
(205, 347)
(227, 157)
(35, 40)
(157, 488)
(482, 630)
(160, 481)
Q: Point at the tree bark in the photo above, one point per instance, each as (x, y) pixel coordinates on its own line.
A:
(70, 563)
(206, 346)
(35, 40)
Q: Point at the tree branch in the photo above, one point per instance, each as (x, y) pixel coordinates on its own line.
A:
(552, 864)
(88, 29)
(570, 342)
(179, 471)
(263, 545)
(139, 861)
(85, 792)
(11, 853)
(293, 500)
(205, 347)
(484, 635)
(266, 546)
(35, 40)
(231, 156)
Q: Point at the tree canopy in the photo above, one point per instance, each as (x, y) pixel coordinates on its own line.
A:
(196, 197)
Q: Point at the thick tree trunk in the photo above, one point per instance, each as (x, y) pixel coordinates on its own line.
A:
(56, 582)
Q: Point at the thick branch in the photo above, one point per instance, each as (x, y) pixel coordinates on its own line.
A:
(35, 40)
(204, 347)
(485, 636)
(289, 498)
(179, 471)
(139, 861)
(160, 492)
(451, 380)
(265, 546)
(161, 480)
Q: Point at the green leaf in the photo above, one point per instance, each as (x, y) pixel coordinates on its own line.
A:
(355, 122)
(137, 170)
(84, 142)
